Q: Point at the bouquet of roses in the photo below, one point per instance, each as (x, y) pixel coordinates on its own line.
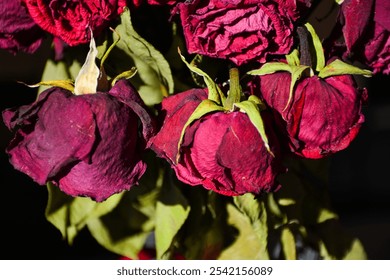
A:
(195, 128)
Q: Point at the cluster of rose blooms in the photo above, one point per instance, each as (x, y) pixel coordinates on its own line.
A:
(93, 144)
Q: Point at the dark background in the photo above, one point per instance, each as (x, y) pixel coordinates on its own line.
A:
(359, 178)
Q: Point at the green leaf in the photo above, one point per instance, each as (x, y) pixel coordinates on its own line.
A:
(325, 214)
(125, 229)
(205, 107)
(270, 68)
(215, 93)
(153, 69)
(288, 244)
(69, 215)
(61, 74)
(255, 210)
(356, 251)
(320, 57)
(171, 212)
(338, 67)
(246, 245)
(253, 112)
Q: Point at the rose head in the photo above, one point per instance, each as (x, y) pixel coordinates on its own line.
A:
(18, 30)
(367, 32)
(221, 151)
(71, 20)
(240, 30)
(87, 144)
(324, 115)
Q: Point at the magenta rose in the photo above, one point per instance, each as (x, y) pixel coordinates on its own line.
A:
(222, 151)
(87, 145)
(18, 30)
(324, 115)
(367, 32)
(239, 30)
(72, 20)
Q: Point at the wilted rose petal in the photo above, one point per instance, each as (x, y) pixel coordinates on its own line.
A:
(222, 151)
(88, 145)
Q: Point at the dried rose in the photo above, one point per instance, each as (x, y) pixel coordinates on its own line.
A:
(367, 32)
(324, 115)
(240, 30)
(86, 144)
(221, 151)
(18, 30)
(71, 20)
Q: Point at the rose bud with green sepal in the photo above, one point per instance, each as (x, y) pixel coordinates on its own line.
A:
(320, 108)
(220, 143)
(82, 139)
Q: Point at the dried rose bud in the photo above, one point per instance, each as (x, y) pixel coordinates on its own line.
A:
(240, 30)
(86, 144)
(18, 30)
(72, 20)
(323, 116)
(222, 151)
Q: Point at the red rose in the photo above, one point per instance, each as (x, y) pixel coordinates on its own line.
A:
(221, 151)
(240, 30)
(324, 115)
(18, 30)
(71, 20)
(87, 144)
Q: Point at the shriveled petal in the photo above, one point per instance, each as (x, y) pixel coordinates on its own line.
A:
(63, 133)
(115, 164)
(357, 15)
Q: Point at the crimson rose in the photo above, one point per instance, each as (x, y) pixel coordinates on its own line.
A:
(222, 151)
(239, 30)
(70, 20)
(87, 144)
(324, 115)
